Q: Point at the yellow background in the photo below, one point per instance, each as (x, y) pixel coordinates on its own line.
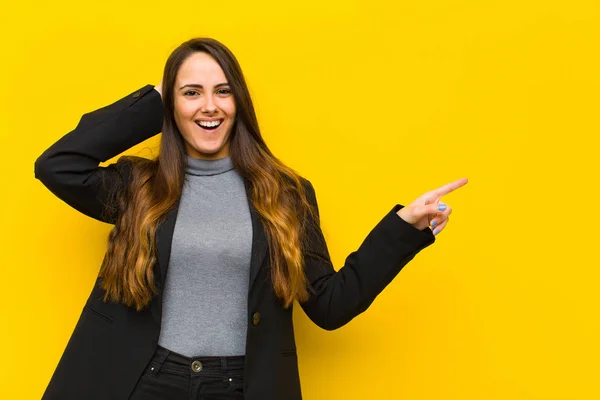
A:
(374, 102)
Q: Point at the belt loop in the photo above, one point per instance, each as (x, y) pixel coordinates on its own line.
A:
(223, 364)
(160, 358)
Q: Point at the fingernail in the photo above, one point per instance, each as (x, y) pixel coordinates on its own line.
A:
(436, 232)
(442, 207)
(434, 223)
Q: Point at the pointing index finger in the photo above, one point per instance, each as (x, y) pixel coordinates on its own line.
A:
(444, 190)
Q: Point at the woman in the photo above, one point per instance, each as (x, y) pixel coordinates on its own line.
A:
(236, 229)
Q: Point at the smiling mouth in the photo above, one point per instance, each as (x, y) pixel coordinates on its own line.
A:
(209, 125)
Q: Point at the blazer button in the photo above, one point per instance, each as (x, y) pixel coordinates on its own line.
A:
(256, 318)
(137, 94)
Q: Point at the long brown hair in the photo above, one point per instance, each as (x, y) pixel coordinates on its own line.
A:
(155, 185)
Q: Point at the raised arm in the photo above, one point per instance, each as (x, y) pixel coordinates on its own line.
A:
(70, 167)
(340, 296)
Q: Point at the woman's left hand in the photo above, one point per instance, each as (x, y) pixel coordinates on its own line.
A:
(425, 210)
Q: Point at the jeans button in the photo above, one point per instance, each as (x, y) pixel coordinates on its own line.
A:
(196, 366)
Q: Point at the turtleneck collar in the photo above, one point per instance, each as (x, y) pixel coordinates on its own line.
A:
(201, 167)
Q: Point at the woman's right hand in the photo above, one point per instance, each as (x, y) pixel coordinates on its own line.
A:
(159, 88)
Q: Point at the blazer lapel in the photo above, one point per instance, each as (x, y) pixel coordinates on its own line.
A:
(164, 238)
(259, 241)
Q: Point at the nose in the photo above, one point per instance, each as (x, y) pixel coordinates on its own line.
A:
(208, 105)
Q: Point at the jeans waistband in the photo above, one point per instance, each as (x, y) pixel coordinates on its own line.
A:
(210, 363)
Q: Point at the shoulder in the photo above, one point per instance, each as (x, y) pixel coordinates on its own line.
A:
(306, 185)
(300, 187)
(309, 189)
(292, 181)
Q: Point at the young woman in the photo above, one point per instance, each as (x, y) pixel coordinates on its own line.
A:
(212, 242)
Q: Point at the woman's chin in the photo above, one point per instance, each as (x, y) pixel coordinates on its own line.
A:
(208, 151)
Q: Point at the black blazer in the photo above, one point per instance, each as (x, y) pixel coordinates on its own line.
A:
(112, 344)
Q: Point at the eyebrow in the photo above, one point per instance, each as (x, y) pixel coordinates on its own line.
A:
(198, 86)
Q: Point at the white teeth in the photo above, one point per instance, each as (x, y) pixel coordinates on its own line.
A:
(209, 124)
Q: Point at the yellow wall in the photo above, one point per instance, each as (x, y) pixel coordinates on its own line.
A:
(375, 102)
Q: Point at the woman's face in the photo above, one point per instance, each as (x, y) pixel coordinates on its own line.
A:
(204, 107)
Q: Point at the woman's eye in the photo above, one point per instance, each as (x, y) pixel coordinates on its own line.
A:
(224, 91)
(190, 91)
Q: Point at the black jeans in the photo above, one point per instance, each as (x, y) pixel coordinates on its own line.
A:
(173, 376)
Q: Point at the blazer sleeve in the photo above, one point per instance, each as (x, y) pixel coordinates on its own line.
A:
(70, 167)
(337, 297)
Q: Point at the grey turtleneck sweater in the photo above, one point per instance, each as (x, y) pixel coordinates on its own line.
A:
(206, 290)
